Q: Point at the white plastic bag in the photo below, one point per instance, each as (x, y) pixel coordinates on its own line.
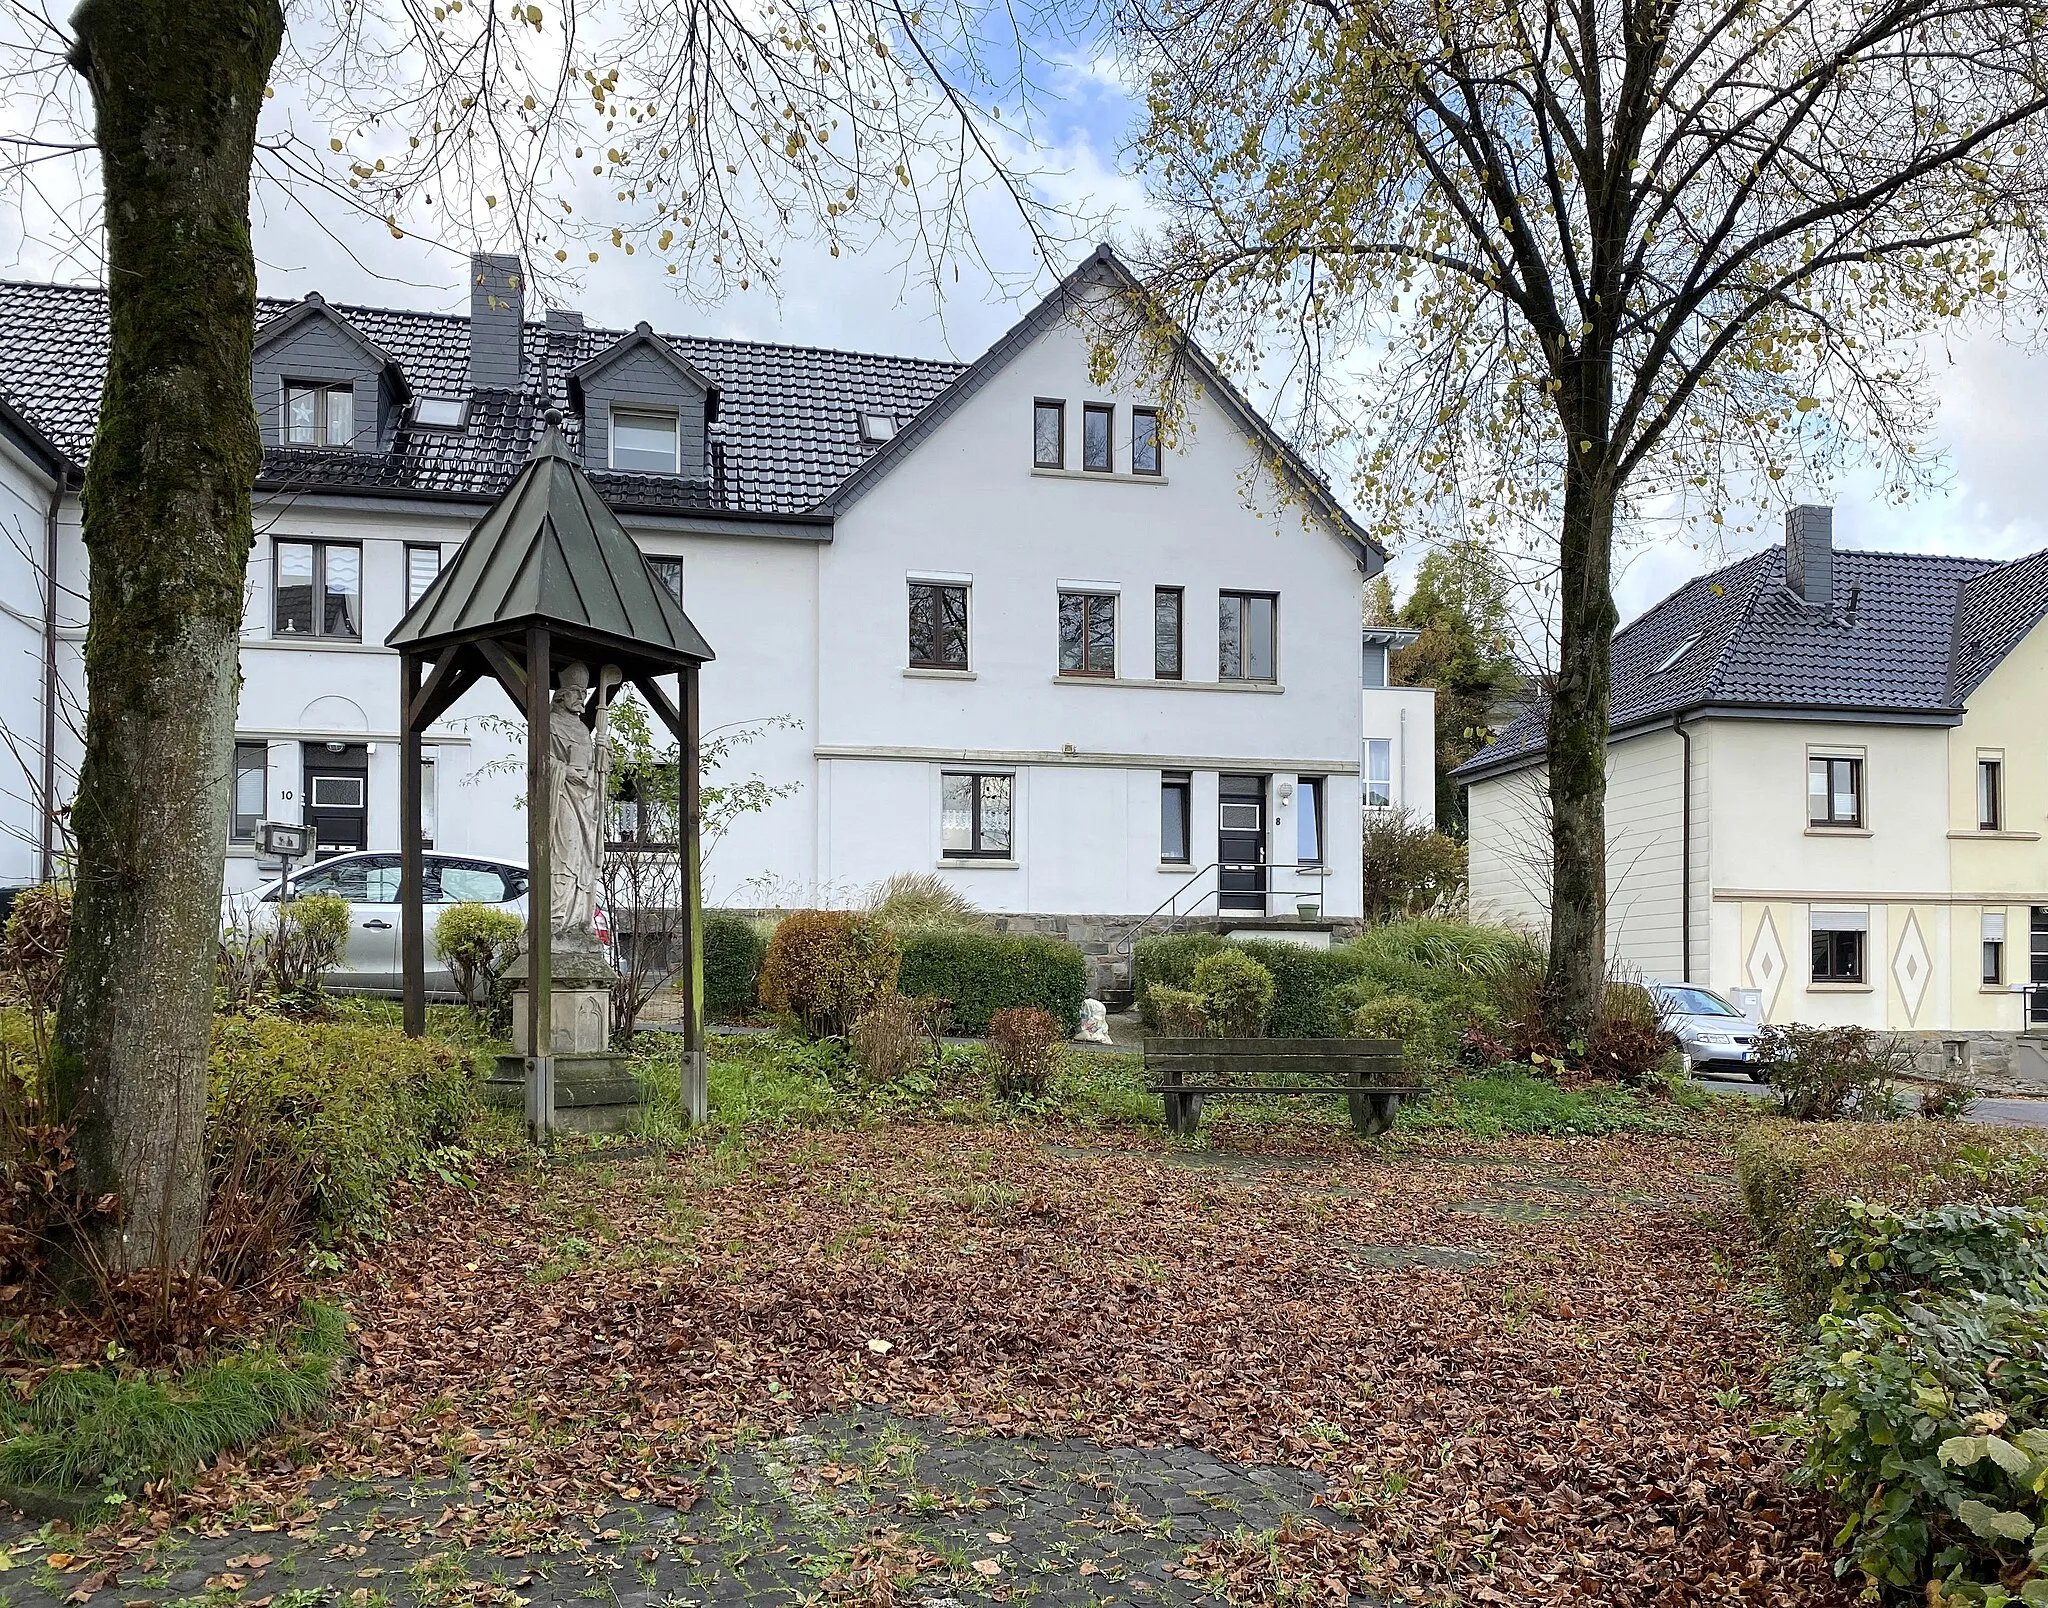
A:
(1094, 1028)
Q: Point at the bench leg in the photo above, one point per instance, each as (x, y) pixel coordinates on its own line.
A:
(1172, 1111)
(1383, 1108)
(1361, 1113)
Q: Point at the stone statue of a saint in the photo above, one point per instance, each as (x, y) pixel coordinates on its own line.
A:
(578, 759)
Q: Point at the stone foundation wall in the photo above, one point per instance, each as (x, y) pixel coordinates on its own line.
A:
(1100, 939)
(2000, 1063)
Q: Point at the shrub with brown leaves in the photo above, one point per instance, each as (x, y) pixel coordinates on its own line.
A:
(824, 967)
(1024, 1048)
(893, 1035)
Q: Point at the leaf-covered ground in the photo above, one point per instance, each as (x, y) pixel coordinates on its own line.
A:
(1527, 1374)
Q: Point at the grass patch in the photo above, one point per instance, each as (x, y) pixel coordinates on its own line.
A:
(102, 1429)
(1505, 1102)
(776, 1080)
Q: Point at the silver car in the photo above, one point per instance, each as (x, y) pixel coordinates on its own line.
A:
(1713, 1034)
(368, 880)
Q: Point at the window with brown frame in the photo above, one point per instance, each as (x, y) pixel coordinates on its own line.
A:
(938, 626)
(1087, 633)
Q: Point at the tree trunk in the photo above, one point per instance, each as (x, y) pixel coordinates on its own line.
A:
(177, 86)
(1578, 723)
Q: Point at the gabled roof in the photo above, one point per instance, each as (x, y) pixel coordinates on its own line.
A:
(1103, 268)
(1994, 612)
(551, 551)
(1926, 630)
(787, 444)
(643, 338)
(314, 309)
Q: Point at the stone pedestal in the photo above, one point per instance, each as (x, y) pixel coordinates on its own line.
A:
(595, 1090)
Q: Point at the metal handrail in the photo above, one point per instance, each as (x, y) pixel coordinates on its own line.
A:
(1127, 944)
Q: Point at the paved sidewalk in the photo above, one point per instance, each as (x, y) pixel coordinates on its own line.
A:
(837, 1512)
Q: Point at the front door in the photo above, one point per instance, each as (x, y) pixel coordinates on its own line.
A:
(338, 797)
(2037, 973)
(1241, 843)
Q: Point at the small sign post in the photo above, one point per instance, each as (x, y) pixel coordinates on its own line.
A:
(284, 842)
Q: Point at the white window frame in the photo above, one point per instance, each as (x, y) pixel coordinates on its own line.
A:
(646, 410)
(1376, 749)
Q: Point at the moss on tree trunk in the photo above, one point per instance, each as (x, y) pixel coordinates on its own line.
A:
(177, 86)
(1579, 712)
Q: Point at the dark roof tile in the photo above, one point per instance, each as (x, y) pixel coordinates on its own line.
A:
(1924, 631)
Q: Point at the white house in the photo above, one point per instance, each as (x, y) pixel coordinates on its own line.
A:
(1826, 789)
(1397, 762)
(990, 620)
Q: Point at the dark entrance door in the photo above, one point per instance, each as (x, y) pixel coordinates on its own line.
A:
(2037, 955)
(337, 797)
(1241, 843)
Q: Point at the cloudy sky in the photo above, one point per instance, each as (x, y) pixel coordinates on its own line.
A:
(877, 299)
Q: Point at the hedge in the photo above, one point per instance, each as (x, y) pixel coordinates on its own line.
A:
(733, 948)
(350, 1106)
(1304, 979)
(982, 973)
(1798, 1178)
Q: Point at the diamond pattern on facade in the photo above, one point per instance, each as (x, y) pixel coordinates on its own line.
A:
(1767, 963)
(1912, 967)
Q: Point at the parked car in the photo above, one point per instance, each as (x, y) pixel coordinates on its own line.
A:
(1713, 1035)
(368, 881)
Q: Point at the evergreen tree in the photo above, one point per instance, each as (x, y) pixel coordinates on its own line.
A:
(1460, 605)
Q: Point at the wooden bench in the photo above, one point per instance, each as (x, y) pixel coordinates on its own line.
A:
(1369, 1073)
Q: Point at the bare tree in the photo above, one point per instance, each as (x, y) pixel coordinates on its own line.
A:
(1559, 264)
(715, 130)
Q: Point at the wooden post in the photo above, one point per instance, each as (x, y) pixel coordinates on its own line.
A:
(696, 1084)
(540, 935)
(411, 893)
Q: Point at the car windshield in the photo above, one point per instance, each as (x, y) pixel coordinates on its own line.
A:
(1695, 1002)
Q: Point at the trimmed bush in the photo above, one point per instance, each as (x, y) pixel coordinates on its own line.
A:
(1169, 959)
(1025, 1045)
(1401, 1017)
(733, 949)
(1798, 1179)
(1236, 993)
(824, 967)
(1175, 1012)
(477, 941)
(981, 973)
(1305, 984)
(350, 1105)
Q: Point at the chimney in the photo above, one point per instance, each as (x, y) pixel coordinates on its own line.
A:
(1810, 554)
(497, 321)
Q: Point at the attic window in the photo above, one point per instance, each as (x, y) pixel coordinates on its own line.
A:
(644, 439)
(319, 415)
(1678, 653)
(440, 412)
(875, 428)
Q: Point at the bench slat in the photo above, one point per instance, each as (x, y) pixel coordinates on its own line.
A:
(1274, 1062)
(1291, 1088)
(1313, 1046)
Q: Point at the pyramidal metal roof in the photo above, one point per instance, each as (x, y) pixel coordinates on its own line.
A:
(550, 552)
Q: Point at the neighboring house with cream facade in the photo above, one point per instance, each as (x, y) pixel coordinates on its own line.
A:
(1827, 786)
(1001, 622)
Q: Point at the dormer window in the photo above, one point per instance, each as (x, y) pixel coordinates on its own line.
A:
(645, 439)
(319, 415)
(875, 428)
(440, 412)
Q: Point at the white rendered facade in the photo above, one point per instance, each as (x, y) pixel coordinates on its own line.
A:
(810, 623)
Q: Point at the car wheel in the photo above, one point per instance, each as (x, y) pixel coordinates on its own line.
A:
(1758, 1074)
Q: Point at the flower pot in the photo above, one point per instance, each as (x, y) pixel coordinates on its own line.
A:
(1308, 909)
